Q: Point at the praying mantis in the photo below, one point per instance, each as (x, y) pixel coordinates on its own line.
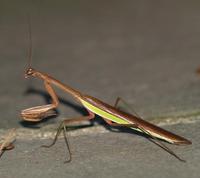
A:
(111, 114)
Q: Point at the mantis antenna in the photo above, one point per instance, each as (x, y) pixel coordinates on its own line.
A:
(30, 42)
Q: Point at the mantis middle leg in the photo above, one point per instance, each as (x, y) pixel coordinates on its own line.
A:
(63, 127)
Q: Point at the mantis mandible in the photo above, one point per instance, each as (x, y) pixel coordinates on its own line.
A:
(111, 114)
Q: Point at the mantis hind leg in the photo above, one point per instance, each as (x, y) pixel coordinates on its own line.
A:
(64, 127)
(150, 136)
(119, 99)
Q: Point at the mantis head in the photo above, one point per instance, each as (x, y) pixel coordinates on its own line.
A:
(29, 72)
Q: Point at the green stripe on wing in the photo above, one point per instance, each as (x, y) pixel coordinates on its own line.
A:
(118, 120)
(105, 114)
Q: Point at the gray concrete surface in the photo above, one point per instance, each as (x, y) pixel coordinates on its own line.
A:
(144, 51)
(103, 155)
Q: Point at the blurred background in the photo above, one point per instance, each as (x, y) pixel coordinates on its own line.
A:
(144, 51)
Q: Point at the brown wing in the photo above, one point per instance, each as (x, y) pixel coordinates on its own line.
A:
(153, 129)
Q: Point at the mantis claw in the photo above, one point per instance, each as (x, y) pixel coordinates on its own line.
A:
(38, 113)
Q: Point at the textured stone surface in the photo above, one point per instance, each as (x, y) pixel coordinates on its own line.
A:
(104, 155)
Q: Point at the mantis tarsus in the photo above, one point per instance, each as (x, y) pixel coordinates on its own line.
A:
(110, 114)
